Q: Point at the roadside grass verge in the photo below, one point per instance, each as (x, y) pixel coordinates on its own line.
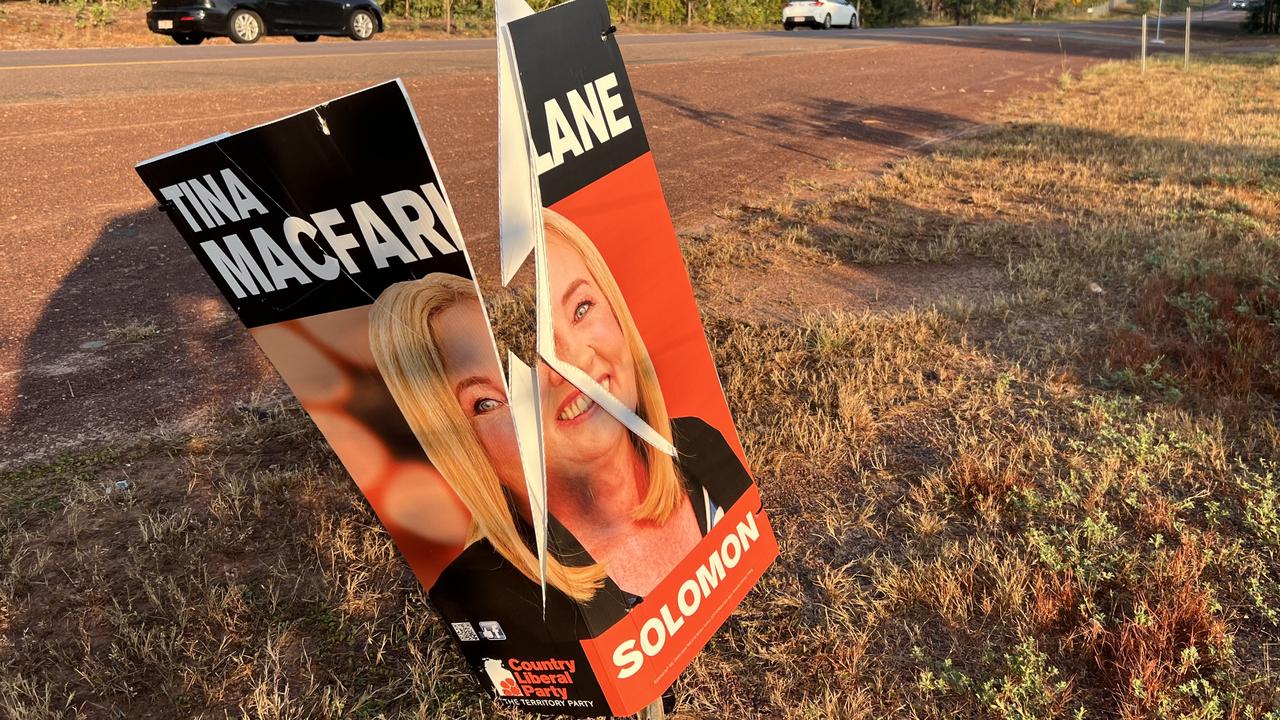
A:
(1061, 499)
(1057, 499)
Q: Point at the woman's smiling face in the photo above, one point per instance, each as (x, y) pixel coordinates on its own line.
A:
(472, 373)
(577, 431)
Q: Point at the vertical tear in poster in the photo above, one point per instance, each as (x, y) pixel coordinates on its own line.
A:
(526, 413)
(519, 226)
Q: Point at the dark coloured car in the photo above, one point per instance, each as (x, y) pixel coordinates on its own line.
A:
(189, 22)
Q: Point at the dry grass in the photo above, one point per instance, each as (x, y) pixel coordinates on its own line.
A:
(1003, 507)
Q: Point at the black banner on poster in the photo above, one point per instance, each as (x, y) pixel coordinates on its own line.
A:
(314, 212)
(581, 110)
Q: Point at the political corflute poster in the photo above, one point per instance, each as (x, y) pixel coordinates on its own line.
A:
(629, 397)
(579, 585)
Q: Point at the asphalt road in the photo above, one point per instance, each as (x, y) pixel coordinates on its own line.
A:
(89, 264)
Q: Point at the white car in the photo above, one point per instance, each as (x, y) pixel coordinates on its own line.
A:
(819, 14)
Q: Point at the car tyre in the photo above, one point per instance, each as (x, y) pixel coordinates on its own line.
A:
(788, 26)
(362, 25)
(826, 23)
(306, 38)
(188, 38)
(244, 27)
(853, 21)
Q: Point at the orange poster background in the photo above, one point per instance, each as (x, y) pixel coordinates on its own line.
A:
(625, 214)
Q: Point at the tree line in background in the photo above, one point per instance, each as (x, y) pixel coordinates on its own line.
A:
(874, 13)
(745, 12)
(1265, 18)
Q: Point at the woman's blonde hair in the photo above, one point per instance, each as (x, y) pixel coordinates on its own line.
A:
(665, 490)
(408, 357)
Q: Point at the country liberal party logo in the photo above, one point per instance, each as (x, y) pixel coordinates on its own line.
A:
(531, 678)
(504, 681)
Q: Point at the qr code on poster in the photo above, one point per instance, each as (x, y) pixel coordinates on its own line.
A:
(465, 632)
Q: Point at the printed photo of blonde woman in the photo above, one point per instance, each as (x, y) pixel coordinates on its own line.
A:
(622, 513)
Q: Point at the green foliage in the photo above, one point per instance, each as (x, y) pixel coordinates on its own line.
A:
(1262, 502)
(477, 15)
(1029, 689)
(97, 13)
(1198, 312)
(885, 13)
(1265, 19)
(1168, 7)
(974, 11)
(1026, 686)
(742, 13)
(717, 12)
(40, 490)
(91, 14)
